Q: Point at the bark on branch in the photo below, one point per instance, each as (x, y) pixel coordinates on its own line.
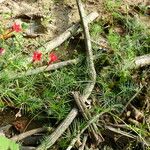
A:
(90, 62)
(51, 139)
(28, 133)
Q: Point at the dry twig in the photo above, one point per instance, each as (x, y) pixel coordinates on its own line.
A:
(91, 68)
(121, 132)
(27, 148)
(28, 133)
(92, 74)
(68, 33)
(45, 68)
(51, 139)
(138, 63)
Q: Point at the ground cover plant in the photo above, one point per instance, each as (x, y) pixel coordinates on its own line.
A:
(49, 103)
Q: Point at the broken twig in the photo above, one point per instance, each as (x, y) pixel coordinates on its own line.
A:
(92, 75)
(68, 33)
(45, 68)
(120, 132)
(51, 139)
(90, 63)
(139, 62)
(28, 133)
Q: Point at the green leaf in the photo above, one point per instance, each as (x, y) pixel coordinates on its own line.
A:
(7, 144)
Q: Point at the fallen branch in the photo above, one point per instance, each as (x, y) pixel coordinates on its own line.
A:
(68, 33)
(51, 139)
(92, 75)
(121, 132)
(28, 133)
(46, 68)
(139, 62)
(90, 63)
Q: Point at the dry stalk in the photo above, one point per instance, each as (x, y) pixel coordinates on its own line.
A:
(46, 68)
(139, 62)
(120, 132)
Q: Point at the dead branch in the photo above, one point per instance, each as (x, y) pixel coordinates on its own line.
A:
(51, 139)
(90, 63)
(46, 68)
(120, 132)
(92, 74)
(28, 133)
(68, 33)
(69, 62)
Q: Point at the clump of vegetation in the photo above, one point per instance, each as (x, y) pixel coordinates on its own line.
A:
(50, 93)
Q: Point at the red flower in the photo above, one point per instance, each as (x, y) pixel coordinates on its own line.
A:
(52, 58)
(16, 27)
(2, 51)
(37, 56)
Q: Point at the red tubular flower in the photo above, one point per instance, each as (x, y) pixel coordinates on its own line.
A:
(53, 57)
(37, 56)
(16, 27)
(2, 51)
